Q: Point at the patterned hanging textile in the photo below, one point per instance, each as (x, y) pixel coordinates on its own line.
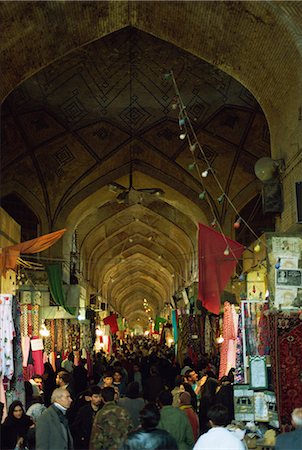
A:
(228, 335)
(239, 373)
(7, 333)
(286, 361)
(263, 335)
(17, 385)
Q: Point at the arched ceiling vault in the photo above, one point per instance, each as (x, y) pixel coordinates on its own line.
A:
(78, 125)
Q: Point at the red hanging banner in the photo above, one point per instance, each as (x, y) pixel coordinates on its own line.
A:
(112, 322)
(215, 268)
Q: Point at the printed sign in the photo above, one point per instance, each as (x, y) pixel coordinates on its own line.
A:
(289, 277)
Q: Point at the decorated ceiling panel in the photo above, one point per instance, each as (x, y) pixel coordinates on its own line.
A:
(86, 133)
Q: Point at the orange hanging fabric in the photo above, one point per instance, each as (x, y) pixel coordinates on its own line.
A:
(9, 255)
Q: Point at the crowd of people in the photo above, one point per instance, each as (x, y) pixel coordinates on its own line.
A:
(138, 398)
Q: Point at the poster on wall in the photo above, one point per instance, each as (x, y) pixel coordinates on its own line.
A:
(286, 297)
(283, 245)
(291, 277)
(258, 372)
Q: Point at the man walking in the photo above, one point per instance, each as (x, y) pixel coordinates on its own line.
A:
(218, 437)
(111, 424)
(52, 430)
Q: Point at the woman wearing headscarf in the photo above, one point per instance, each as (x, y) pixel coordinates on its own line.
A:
(207, 399)
(15, 426)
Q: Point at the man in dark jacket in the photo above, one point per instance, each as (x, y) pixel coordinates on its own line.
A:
(292, 440)
(52, 430)
(82, 425)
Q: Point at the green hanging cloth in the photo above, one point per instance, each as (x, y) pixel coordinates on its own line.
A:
(54, 273)
(158, 321)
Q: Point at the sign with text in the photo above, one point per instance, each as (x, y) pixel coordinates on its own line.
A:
(289, 277)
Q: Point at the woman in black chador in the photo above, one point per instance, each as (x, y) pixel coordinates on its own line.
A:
(15, 426)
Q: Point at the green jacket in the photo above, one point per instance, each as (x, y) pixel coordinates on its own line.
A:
(110, 428)
(177, 424)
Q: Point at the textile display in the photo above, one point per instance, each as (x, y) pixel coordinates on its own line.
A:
(174, 325)
(55, 280)
(17, 384)
(215, 268)
(239, 372)
(10, 254)
(7, 333)
(286, 361)
(263, 335)
(112, 322)
(158, 321)
(228, 346)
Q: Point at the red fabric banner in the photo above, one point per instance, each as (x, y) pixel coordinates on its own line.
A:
(112, 322)
(215, 268)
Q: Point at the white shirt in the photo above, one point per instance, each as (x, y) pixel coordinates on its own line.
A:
(218, 438)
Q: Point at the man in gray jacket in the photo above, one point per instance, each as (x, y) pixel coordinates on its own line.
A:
(293, 439)
(52, 430)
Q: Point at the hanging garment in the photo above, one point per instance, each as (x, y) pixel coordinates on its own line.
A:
(229, 335)
(17, 386)
(7, 333)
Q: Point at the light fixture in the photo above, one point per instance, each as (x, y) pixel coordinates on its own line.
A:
(221, 198)
(241, 277)
(181, 122)
(193, 147)
(213, 223)
(219, 339)
(226, 252)
(43, 330)
(267, 168)
(182, 136)
(237, 223)
(277, 265)
(204, 174)
(257, 248)
(191, 166)
(202, 195)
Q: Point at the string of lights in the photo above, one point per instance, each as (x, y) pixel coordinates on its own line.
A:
(187, 132)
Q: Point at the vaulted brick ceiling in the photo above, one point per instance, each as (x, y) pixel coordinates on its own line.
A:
(80, 123)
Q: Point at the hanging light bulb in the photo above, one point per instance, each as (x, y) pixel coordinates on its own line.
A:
(181, 122)
(43, 330)
(174, 106)
(182, 136)
(226, 252)
(257, 248)
(221, 198)
(193, 147)
(241, 277)
(191, 166)
(219, 339)
(130, 239)
(277, 265)
(267, 293)
(205, 173)
(213, 224)
(202, 195)
(167, 76)
(237, 223)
